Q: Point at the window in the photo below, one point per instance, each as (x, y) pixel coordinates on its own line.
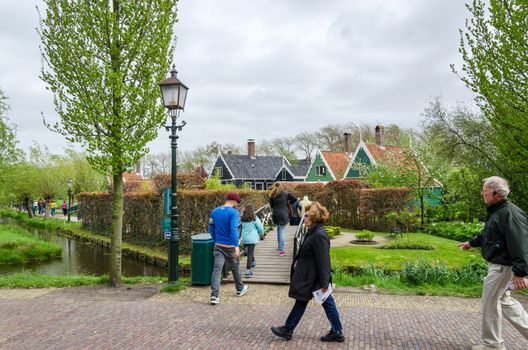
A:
(219, 171)
(248, 185)
(283, 174)
(320, 170)
(259, 186)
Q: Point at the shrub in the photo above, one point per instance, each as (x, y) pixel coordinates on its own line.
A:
(456, 230)
(421, 272)
(365, 235)
(407, 244)
(333, 231)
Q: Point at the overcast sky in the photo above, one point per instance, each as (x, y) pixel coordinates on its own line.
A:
(264, 69)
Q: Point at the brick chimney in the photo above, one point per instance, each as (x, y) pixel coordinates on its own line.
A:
(347, 142)
(380, 131)
(251, 148)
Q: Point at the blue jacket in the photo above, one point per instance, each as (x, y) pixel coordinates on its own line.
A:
(251, 231)
(223, 225)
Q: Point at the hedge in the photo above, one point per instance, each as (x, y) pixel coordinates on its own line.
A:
(349, 202)
(143, 213)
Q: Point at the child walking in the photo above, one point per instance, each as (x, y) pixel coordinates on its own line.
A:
(252, 230)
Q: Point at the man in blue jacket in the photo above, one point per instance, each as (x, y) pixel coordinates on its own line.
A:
(504, 242)
(223, 227)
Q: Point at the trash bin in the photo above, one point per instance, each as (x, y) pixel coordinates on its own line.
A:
(202, 258)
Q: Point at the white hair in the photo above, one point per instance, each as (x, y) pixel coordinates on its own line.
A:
(498, 184)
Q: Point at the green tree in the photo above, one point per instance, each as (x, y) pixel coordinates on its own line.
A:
(103, 60)
(494, 49)
(9, 153)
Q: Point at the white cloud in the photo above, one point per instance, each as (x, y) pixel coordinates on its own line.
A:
(262, 69)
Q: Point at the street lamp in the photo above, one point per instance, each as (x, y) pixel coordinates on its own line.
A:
(173, 93)
(70, 182)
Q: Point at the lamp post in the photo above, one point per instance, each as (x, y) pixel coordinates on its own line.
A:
(70, 182)
(173, 93)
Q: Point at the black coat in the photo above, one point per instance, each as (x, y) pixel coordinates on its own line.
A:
(279, 206)
(310, 269)
(504, 238)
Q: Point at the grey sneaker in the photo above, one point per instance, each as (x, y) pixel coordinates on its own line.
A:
(243, 291)
(215, 300)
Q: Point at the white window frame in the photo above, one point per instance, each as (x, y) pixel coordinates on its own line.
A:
(257, 184)
(283, 174)
(320, 170)
(220, 171)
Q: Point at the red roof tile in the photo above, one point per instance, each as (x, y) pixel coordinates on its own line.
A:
(337, 161)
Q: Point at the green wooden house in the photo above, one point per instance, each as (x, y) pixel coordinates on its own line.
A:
(328, 166)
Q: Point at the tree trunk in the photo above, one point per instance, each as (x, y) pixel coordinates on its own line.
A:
(29, 205)
(422, 207)
(46, 209)
(117, 231)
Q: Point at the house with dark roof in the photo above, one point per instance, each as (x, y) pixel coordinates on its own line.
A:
(257, 172)
(293, 172)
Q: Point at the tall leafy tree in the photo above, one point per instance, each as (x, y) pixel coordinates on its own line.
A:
(495, 50)
(102, 61)
(9, 152)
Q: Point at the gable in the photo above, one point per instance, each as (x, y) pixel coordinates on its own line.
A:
(314, 175)
(361, 158)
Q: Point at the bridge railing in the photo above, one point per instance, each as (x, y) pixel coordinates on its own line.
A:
(264, 214)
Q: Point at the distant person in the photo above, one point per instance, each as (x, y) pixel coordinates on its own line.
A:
(34, 207)
(304, 203)
(279, 199)
(64, 208)
(41, 206)
(252, 231)
(223, 227)
(504, 242)
(310, 271)
(53, 207)
(295, 213)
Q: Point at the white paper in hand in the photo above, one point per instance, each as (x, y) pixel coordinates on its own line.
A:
(320, 297)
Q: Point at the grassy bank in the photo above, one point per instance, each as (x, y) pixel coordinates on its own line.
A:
(33, 280)
(19, 246)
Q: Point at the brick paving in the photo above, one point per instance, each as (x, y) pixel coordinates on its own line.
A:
(137, 317)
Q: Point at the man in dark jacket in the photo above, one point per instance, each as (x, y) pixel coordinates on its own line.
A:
(504, 242)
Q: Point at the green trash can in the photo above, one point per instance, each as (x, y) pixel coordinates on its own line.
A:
(202, 258)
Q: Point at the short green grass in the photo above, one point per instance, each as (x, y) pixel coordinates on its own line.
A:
(19, 246)
(356, 256)
(33, 280)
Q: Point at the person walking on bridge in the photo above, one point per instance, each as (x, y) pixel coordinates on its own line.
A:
(223, 227)
(504, 242)
(279, 199)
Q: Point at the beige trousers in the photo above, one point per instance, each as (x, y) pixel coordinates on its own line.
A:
(497, 302)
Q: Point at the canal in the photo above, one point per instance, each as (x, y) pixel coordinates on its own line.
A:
(79, 258)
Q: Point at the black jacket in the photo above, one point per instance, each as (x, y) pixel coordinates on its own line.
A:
(279, 206)
(504, 238)
(310, 269)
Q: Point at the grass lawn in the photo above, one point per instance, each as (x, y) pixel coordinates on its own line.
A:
(18, 246)
(356, 256)
(33, 280)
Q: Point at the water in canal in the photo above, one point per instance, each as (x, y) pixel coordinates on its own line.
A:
(80, 258)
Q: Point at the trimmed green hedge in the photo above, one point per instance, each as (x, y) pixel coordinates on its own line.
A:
(456, 230)
(333, 231)
(407, 244)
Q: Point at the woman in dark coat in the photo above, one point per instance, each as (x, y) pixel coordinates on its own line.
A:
(310, 271)
(279, 199)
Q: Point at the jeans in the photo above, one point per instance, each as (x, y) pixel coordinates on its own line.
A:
(250, 249)
(225, 255)
(280, 236)
(300, 306)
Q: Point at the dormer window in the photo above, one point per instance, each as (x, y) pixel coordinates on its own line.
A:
(219, 171)
(283, 174)
(320, 170)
